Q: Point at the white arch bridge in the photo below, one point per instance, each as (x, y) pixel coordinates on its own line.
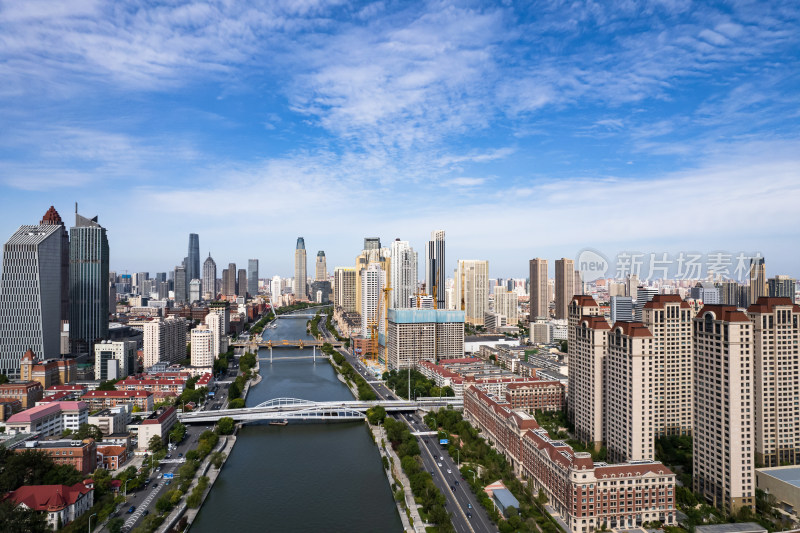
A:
(297, 409)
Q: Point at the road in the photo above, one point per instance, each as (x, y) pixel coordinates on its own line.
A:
(458, 500)
(146, 498)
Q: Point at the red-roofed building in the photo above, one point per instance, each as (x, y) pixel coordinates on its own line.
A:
(61, 503)
(50, 418)
(587, 495)
(111, 457)
(171, 386)
(76, 390)
(104, 399)
(158, 423)
(28, 393)
(80, 454)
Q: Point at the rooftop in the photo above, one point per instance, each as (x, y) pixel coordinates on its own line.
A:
(787, 474)
(745, 527)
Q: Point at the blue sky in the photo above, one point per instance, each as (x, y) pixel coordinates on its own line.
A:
(522, 129)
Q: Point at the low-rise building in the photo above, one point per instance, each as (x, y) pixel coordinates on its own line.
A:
(171, 386)
(532, 396)
(61, 504)
(75, 390)
(98, 399)
(80, 454)
(9, 406)
(782, 483)
(112, 420)
(158, 423)
(111, 457)
(27, 393)
(50, 418)
(587, 495)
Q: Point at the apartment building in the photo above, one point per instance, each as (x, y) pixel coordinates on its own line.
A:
(669, 320)
(585, 494)
(587, 376)
(417, 335)
(724, 440)
(105, 399)
(631, 376)
(164, 340)
(776, 335)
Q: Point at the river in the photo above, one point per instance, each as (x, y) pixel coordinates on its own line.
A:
(310, 477)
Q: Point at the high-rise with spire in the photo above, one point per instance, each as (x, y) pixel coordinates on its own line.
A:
(300, 277)
(88, 284)
(51, 217)
(209, 277)
(193, 258)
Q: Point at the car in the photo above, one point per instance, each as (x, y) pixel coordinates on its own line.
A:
(469, 506)
(158, 469)
(169, 456)
(469, 515)
(456, 482)
(452, 487)
(440, 464)
(168, 482)
(146, 512)
(159, 476)
(449, 471)
(132, 509)
(180, 455)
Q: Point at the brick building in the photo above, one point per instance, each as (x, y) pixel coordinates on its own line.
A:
(28, 393)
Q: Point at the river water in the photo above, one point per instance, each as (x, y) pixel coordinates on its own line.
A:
(314, 477)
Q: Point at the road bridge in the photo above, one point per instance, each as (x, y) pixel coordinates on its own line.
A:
(306, 410)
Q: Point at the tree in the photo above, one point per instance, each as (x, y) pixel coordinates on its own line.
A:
(88, 431)
(115, 525)
(217, 459)
(3, 379)
(178, 432)
(237, 403)
(155, 444)
(225, 425)
(564, 346)
(376, 414)
(16, 518)
(107, 385)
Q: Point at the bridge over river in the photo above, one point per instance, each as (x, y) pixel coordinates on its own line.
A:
(298, 409)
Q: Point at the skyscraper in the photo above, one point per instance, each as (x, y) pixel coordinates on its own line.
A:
(181, 286)
(193, 262)
(505, 303)
(88, 284)
(300, 277)
(781, 287)
(434, 268)
(241, 283)
(252, 277)
(30, 295)
(229, 281)
(322, 267)
(51, 217)
(373, 281)
(758, 279)
(538, 288)
(403, 274)
(472, 289)
(208, 286)
(565, 285)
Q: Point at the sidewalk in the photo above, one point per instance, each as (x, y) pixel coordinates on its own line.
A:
(419, 526)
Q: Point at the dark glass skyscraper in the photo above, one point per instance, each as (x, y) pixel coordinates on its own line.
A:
(88, 284)
(193, 259)
(434, 268)
(252, 277)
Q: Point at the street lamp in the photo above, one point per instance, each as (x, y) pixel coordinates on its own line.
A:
(458, 456)
(90, 522)
(415, 394)
(126, 488)
(473, 475)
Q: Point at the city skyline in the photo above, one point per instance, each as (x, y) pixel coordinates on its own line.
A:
(564, 121)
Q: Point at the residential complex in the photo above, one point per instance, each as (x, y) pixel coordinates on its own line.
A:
(565, 286)
(538, 288)
(417, 335)
(472, 290)
(164, 340)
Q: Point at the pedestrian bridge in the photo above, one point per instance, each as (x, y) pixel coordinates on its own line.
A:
(306, 410)
(285, 343)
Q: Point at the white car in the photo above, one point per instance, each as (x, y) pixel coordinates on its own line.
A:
(441, 458)
(440, 464)
(449, 471)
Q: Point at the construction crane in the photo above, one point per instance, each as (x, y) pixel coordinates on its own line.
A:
(374, 342)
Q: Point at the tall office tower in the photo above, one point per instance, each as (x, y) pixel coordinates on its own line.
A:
(472, 289)
(776, 335)
(51, 217)
(30, 295)
(643, 295)
(216, 324)
(579, 307)
(88, 284)
(372, 243)
(587, 353)
(138, 282)
(164, 340)
(632, 286)
(630, 380)
(781, 287)
(241, 283)
(163, 290)
(758, 279)
(225, 280)
(209, 280)
(275, 289)
(181, 286)
(435, 268)
(565, 285)
(621, 309)
(344, 281)
(252, 277)
(223, 310)
(538, 289)
(202, 354)
(578, 277)
(722, 447)
(417, 335)
(505, 303)
(229, 285)
(300, 276)
(669, 320)
(160, 277)
(193, 259)
(194, 290)
(321, 271)
(728, 292)
(373, 281)
(403, 274)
